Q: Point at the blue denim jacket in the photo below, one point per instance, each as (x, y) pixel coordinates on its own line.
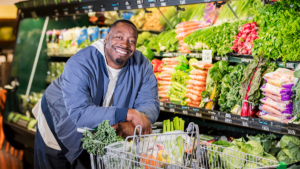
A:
(75, 98)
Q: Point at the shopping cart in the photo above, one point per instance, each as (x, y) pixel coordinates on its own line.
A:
(175, 150)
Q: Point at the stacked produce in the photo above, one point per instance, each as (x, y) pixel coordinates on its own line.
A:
(70, 41)
(279, 35)
(164, 78)
(296, 98)
(176, 124)
(186, 28)
(179, 79)
(251, 83)
(230, 96)
(277, 105)
(213, 84)
(165, 41)
(243, 43)
(219, 39)
(152, 20)
(196, 84)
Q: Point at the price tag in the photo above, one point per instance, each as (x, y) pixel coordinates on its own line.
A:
(161, 103)
(246, 60)
(224, 59)
(128, 7)
(184, 111)
(227, 115)
(228, 120)
(244, 118)
(198, 114)
(292, 132)
(217, 58)
(116, 8)
(182, 2)
(266, 128)
(212, 117)
(172, 110)
(163, 4)
(66, 13)
(289, 65)
(162, 108)
(207, 56)
(245, 124)
(102, 9)
(198, 56)
(140, 6)
(152, 5)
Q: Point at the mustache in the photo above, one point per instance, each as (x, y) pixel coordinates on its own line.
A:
(121, 47)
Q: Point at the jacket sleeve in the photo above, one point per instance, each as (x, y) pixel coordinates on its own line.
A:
(78, 100)
(147, 98)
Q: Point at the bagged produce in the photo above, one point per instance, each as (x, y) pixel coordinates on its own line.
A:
(283, 97)
(281, 106)
(281, 78)
(270, 109)
(269, 88)
(273, 117)
(82, 38)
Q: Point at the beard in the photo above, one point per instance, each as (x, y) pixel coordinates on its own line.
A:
(119, 61)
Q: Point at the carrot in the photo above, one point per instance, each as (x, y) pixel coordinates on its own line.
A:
(199, 78)
(164, 82)
(193, 97)
(195, 92)
(270, 109)
(196, 83)
(199, 72)
(201, 88)
(163, 88)
(148, 161)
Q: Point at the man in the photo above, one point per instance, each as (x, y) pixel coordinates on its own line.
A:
(107, 81)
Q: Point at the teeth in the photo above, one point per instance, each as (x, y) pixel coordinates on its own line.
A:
(121, 51)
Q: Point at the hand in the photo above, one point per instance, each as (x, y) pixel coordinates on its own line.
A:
(138, 118)
(125, 129)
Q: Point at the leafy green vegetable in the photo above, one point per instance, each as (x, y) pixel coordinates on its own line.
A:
(267, 141)
(286, 139)
(148, 53)
(253, 148)
(269, 157)
(219, 39)
(178, 88)
(282, 157)
(230, 96)
(250, 165)
(279, 36)
(192, 60)
(95, 143)
(165, 41)
(232, 159)
(296, 97)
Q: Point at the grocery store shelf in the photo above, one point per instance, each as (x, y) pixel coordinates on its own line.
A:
(73, 7)
(175, 54)
(231, 119)
(151, 31)
(7, 44)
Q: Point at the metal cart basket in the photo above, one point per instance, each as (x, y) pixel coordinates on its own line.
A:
(175, 150)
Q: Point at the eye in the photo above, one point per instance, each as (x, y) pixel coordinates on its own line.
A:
(119, 37)
(132, 41)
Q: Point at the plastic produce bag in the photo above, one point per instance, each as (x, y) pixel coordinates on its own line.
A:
(271, 116)
(281, 77)
(285, 97)
(202, 65)
(281, 106)
(269, 88)
(269, 109)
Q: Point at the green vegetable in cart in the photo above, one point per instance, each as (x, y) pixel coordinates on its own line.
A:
(95, 143)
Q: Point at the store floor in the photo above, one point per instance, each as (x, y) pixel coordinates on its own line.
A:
(8, 161)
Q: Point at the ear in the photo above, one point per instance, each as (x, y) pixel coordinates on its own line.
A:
(106, 39)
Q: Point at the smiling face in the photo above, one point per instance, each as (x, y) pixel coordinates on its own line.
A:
(120, 44)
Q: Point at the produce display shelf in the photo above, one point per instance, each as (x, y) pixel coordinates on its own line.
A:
(151, 31)
(230, 58)
(71, 7)
(232, 119)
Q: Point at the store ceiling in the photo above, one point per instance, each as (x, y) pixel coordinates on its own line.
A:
(9, 2)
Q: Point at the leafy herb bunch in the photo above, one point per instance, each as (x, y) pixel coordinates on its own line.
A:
(95, 143)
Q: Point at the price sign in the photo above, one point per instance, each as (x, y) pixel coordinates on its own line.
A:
(207, 56)
(289, 65)
(128, 7)
(161, 103)
(292, 132)
(218, 58)
(184, 111)
(116, 8)
(227, 115)
(198, 114)
(102, 9)
(172, 110)
(224, 59)
(266, 128)
(140, 6)
(245, 124)
(182, 2)
(162, 108)
(214, 117)
(228, 120)
(163, 4)
(152, 5)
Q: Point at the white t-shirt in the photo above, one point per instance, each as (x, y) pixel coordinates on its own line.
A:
(112, 73)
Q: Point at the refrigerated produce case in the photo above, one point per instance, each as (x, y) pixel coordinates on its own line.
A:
(35, 66)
